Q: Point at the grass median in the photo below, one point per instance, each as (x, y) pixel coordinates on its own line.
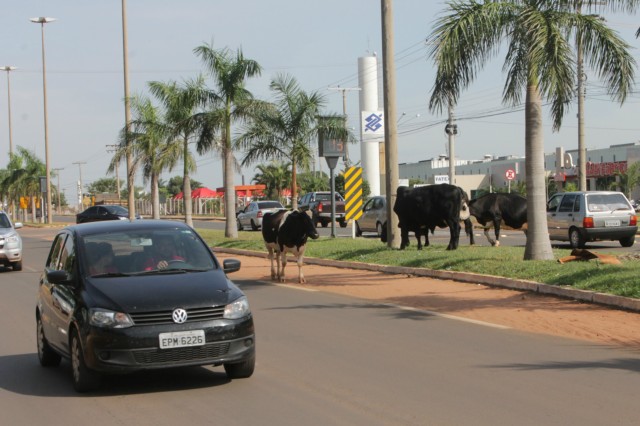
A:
(621, 280)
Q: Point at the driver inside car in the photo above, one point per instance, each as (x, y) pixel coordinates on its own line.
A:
(164, 251)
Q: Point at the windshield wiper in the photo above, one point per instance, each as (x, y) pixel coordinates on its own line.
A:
(110, 274)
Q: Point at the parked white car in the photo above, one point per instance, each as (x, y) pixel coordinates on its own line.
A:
(581, 217)
(10, 243)
(251, 215)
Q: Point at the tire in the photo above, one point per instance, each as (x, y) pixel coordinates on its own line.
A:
(576, 239)
(358, 230)
(324, 224)
(628, 241)
(17, 266)
(343, 223)
(239, 225)
(46, 355)
(253, 225)
(379, 229)
(241, 370)
(84, 379)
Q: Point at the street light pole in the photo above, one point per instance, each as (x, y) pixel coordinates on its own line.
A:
(59, 205)
(44, 20)
(8, 69)
(127, 113)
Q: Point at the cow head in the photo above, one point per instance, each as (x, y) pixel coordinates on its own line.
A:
(307, 224)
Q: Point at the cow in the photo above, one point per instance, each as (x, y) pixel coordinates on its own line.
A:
(496, 208)
(286, 231)
(426, 207)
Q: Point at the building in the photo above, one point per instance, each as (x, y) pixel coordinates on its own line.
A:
(490, 173)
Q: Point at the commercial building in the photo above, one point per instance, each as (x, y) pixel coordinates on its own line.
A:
(490, 173)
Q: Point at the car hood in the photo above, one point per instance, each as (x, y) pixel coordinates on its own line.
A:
(144, 293)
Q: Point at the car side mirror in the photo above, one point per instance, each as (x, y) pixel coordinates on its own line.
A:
(58, 277)
(17, 225)
(230, 265)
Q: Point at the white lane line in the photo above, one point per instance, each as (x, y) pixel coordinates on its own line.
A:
(453, 317)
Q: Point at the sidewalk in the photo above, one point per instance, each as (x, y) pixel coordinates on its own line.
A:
(519, 305)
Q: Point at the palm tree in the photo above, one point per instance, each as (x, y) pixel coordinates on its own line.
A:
(275, 176)
(24, 177)
(539, 63)
(288, 128)
(148, 139)
(181, 104)
(230, 102)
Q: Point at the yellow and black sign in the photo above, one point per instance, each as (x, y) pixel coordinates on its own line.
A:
(353, 193)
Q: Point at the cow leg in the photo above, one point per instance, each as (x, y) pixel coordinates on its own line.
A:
(496, 226)
(468, 229)
(486, 234)
(454, 232)
(300, 254)
(404, 237)
(417, 233)
(283, 262)
(273, 251)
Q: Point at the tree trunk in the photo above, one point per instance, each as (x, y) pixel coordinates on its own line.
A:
(538, 245)
(230, 229)
(294, 186)
(155, 196)
(186, 186)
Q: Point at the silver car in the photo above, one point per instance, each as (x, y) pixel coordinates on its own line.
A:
(374, 216)
(10, 243)
(580, 217)
(251, 215)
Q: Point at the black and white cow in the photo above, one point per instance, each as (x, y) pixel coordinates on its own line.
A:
(286, 231)
(426, 207)
(492, 209)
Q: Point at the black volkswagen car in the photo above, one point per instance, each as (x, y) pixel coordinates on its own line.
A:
(121, 296)
(103, 212)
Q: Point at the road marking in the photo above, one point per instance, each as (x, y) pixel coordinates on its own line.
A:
(453, 317)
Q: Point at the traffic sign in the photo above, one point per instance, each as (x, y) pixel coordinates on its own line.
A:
(353, 193)
(510, 174)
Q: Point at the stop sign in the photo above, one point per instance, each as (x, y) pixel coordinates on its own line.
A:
(510, 174)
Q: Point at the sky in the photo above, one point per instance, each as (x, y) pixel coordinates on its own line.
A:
(317, 42)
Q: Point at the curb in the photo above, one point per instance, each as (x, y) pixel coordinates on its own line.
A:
(565, 292)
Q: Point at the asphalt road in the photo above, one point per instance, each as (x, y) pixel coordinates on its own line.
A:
(328, 359)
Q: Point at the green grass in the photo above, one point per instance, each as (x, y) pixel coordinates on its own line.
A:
(622, 280)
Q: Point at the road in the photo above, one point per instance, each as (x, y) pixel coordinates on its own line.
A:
(329, 359)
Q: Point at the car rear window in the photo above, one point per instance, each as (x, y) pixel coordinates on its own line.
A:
(270, 205)
(607, 202)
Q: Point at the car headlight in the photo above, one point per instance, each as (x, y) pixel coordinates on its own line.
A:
(12, 240)
(123, 218)
(237, 309)
(109, 319)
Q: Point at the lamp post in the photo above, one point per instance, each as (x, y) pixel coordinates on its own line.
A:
(45, 20)
(8, 69)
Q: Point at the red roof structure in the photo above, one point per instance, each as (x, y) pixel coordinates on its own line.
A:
(200, 193)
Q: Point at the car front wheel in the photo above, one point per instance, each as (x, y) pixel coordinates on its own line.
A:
(47, 356)
(84, 379)
(239, 225)
(576, 239)
(16, 266)
(240, 370)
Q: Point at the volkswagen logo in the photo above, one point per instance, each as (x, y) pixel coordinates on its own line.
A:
(179, 315)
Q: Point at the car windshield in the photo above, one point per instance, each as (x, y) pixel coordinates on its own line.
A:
(4, 221)
(607, 202)
(139, 252)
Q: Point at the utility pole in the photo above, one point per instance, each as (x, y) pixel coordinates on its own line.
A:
(110, 149)
(582, 151)
(127, 114)
(451, 129)
(59, 205)
(344, 112)
(391, 127)
(8, 69)
(80, 194)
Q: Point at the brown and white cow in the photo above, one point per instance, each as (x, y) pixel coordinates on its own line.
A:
(286, 231)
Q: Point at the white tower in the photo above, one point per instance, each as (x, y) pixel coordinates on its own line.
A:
(369, 138)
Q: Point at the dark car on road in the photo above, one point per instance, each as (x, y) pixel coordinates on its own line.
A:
(103, 212)
(124, 296)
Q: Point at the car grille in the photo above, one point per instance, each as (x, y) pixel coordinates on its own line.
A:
(194, 353)
(165, 317)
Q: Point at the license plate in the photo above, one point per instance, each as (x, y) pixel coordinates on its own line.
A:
(609, 223)
(181, 339)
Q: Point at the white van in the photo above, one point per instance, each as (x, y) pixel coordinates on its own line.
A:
(580, 217)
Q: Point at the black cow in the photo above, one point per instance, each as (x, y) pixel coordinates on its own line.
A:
(286, 231)
(426, 207)
(496, 208)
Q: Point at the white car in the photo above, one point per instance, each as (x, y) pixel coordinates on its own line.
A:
(251, 215)
(10, 243)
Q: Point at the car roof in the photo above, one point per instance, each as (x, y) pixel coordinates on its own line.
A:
(125, 225)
